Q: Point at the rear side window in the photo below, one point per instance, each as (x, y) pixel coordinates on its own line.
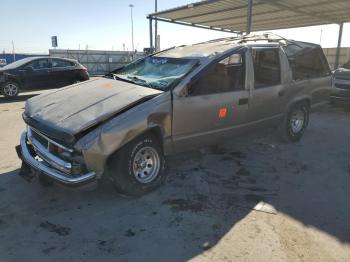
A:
(309, 64)
(61, 63)
(267, 69)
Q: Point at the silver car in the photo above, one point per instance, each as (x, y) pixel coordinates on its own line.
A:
(122, 125)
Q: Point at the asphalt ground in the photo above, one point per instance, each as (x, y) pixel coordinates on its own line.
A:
(250, 199)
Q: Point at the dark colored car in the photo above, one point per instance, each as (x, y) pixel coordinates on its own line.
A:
(341, 91)
(40, 72)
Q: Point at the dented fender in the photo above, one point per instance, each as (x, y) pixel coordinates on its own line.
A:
(109, 137)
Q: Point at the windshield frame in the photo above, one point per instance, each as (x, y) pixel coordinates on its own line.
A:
(114, 74)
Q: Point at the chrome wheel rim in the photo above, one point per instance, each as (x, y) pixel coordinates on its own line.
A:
(10, 89)
(297, 121)
(146, 165)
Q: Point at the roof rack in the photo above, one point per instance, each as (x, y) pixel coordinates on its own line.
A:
(270, 37)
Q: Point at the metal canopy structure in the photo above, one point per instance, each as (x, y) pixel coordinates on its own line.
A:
(244, 16)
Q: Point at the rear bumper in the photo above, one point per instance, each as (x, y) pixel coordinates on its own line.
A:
(29, 157)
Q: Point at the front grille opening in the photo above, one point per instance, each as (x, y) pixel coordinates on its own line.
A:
(39, 138)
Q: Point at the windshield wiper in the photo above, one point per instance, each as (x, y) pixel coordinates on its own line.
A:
(116, 77)
(135, 80)
(143, 82)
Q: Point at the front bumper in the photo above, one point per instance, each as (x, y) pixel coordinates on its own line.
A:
(45, 168)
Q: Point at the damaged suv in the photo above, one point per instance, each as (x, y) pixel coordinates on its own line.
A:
(122, 125)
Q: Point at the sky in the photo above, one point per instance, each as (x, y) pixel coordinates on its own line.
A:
(106, 25)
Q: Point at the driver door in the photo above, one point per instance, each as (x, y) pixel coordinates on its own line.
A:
(215, 106)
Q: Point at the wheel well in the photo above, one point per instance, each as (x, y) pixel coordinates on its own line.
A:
(155, 131)
(12, 81)
(307, 101)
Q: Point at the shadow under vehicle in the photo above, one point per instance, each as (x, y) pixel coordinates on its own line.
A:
(40, 72)
(122, 125)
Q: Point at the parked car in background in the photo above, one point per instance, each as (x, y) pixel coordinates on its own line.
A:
(3, 62)
(121, 126)
(341, 90)
(40, 72)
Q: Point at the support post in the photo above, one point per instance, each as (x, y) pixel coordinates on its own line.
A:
(156, 27)
(249, 17)
(150, 33)
(340, 37)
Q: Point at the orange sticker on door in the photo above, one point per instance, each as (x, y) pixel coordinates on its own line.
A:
(222, 112)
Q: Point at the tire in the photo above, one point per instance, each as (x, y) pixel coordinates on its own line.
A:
(138, 167)
(295, 123)
(10, 89)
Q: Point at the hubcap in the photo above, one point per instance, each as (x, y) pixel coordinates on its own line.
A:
(297, 121)
(10, 89)
(146, 165)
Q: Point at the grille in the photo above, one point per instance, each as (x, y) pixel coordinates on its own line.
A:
(39, 138)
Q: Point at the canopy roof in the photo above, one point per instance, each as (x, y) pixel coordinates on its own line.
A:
(231, 15)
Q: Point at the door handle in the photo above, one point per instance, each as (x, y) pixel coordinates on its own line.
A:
(281, 93)
(243, 101)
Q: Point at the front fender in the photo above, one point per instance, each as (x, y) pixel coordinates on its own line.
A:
(108, 138)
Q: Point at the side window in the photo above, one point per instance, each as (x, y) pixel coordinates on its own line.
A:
(267, 68)
(39, 64)
(225, 76)
(61, 63)
(309, 64)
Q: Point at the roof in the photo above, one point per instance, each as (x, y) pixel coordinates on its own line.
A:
(231, 15)
(216, 47)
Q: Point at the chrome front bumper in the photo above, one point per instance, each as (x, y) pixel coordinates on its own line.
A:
(52, 166)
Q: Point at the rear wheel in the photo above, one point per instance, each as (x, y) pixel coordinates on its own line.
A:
(10, 89)
(138, 167)
(293, 127)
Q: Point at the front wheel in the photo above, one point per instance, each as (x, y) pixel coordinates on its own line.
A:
(10, 89)
(296, 121)
(138, 167)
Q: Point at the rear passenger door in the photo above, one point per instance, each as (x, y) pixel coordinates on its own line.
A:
(268, 95)
(216, 103)
(62, 72)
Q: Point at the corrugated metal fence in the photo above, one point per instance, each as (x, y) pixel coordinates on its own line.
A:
(331, 54)
(97, 62)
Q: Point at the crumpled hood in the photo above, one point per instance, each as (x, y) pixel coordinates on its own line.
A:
(78, 107)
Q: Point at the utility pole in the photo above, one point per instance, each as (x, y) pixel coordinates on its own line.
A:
(13, 51)
(132, 27)
(156, 27)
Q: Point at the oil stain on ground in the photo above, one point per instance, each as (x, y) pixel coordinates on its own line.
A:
(55, 228)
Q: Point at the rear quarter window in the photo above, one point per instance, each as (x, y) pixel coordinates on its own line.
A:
(309, 63)
(61, 63)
